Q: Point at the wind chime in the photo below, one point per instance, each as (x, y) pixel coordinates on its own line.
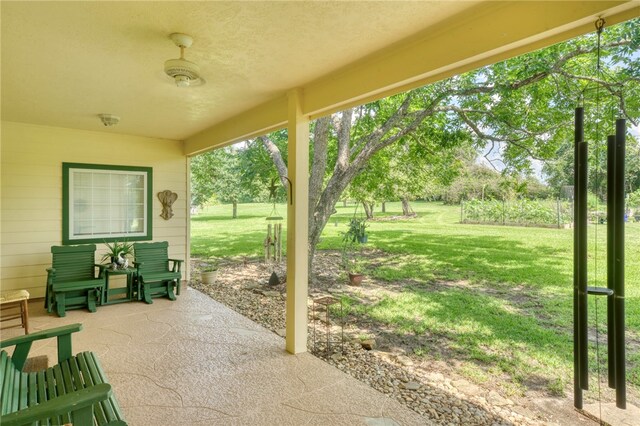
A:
(273, 241)
(614, 291)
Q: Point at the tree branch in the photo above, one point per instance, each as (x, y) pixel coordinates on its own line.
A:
(276, 156)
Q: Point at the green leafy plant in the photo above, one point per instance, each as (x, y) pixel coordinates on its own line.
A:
(211, 266)
(357, 231)
(352, 241)
(117, 248)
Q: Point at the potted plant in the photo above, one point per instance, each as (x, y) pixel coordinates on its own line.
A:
(117, 254)
(209, 272)
(357, 232)
(355, 269)
(352, 250)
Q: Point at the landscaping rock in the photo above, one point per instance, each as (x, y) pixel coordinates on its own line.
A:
(368, 344)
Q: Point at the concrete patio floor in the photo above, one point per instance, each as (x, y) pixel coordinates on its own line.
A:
(196, 362)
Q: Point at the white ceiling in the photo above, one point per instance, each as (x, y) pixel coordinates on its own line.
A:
(65, 62)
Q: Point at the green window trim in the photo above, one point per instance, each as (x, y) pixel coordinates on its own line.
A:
(102, 182)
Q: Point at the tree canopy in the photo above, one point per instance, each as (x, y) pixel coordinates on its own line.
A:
(525, 105)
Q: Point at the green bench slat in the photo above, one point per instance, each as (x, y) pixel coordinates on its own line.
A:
(24, 391)
(78, 285)
(83, 371)
(98, 409)
(33, 390)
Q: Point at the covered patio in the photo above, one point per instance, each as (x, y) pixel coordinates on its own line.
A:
(197, 362)
(265, 66)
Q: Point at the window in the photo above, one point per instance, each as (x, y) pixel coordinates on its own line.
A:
(102, 203)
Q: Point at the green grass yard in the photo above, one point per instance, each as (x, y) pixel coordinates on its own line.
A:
(508, 306)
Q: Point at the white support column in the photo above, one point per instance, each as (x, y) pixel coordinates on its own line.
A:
(297, 226)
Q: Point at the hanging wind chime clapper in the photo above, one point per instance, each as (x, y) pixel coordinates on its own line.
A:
(273, 240)
(614, 291)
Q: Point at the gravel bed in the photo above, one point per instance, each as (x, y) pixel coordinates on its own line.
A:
(446, 399)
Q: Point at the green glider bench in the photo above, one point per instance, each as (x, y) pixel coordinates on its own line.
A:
(74, 391)
(154, 276)
(71, 281)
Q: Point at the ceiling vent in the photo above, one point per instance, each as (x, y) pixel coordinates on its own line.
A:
(109, 119)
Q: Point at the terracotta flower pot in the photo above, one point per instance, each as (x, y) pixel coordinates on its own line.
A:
(355, 279)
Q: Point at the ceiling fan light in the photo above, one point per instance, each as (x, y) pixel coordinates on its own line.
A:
(182, 71)
(182, 80)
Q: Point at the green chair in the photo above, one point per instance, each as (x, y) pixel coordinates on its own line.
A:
(71, 281)
(75, 390)
(154, 276)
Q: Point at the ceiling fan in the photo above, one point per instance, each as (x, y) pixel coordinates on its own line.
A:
(185, 73)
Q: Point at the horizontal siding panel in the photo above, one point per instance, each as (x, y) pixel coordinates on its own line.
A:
(35, 191)
(19, 215)
(24, 271)
(12, 226)
(35, 287)
(31, 203)
(17, 169)
(22, 248)
(32, 259)
(29, 237)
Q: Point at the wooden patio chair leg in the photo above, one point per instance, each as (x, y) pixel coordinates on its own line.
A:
(91, 300)
(24, 310)
(61, 305)
(178, 285)
(170, 294)
(146, 293)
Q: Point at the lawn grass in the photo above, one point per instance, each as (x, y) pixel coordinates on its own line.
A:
(514, 316)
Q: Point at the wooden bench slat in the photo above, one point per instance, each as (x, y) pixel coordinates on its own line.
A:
(33, 390)
(7, 373)
(51, 390)
(3, 372)
(98, 410)
(110, 407)
(13, 388)
(75, 372)
(61, 389)
(24, 391)
(75, 390)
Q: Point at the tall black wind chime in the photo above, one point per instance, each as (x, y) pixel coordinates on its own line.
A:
(614, 291)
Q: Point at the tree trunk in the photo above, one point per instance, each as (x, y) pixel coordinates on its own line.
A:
(384, 207)
(344, 203)
(235, 210)
(368, 209)
(406, 208)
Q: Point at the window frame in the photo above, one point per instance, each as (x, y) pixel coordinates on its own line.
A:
(67, 204)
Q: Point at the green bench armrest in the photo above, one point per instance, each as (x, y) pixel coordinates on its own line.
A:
(23, 343)
(71, 402)
(177, 263)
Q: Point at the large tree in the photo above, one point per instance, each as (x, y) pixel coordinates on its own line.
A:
(219, 176)
(525, 103)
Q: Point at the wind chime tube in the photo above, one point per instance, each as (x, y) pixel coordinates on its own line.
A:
(577, 390)
(611, 348)
(621, 399)
(582, 266)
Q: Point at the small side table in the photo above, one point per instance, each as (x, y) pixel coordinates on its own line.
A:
(15, 299)
(128, 291)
